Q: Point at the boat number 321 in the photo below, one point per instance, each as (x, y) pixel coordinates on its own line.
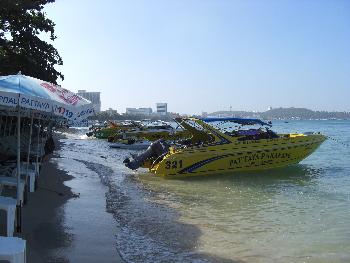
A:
(173, 164)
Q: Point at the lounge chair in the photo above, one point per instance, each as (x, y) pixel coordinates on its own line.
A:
(9, 205)
(13, 249)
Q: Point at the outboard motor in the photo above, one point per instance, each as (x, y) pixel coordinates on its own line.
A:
(155, 150)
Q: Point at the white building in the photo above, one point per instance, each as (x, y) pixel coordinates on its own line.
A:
(111, 112)
(139, 111)
(162, 108)
(94, 97)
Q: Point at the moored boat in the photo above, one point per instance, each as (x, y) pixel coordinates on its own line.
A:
(112, 128)
(211, 150)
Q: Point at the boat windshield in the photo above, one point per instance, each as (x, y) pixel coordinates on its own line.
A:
(200, 134)
(219, 130)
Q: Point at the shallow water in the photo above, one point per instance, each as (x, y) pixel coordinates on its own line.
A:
(296, 214)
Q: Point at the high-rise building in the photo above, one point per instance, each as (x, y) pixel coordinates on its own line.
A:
(94, 97)
(162, 108)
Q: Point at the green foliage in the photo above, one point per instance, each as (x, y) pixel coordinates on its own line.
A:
(21, 49)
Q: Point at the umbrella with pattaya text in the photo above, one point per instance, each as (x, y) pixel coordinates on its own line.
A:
(22, 93)
(32, 93)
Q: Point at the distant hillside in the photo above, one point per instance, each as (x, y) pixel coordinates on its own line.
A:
(285, 114)
(289, 113)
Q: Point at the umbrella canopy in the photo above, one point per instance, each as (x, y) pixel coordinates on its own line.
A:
(24, 94)
(32, 93)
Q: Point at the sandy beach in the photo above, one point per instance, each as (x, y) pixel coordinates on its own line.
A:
(63, 222)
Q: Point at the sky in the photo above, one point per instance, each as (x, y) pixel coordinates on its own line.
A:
(206, 55)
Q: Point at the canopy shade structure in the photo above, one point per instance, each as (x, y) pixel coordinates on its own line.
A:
(35, 94)
(31, 96)
(238, 121)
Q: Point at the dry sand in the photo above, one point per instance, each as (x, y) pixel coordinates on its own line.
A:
(89, 234)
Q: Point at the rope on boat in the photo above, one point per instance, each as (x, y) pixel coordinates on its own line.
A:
(338, 141)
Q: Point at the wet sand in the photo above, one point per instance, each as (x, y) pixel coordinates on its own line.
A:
(64, 222)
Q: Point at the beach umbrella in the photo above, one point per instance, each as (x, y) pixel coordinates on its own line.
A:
(24, 94)
(32, 93)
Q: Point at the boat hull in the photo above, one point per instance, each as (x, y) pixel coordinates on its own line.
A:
(238, 156)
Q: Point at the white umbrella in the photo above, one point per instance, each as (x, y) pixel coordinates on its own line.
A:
(25, 93)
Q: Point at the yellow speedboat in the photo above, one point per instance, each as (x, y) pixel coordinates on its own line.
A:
(150, 135)
(112, 128)
(212, 151)
(151, 131)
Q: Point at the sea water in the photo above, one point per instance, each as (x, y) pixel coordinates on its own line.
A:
(300, 213)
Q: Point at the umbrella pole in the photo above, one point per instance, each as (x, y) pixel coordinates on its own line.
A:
(5, 126)
(30, 140)
(44, 139)
(48, 131)
(10, 127)
(5, 121)
(19, 202)
(37, 150)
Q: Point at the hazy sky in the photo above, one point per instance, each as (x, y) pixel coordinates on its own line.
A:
(207, 55)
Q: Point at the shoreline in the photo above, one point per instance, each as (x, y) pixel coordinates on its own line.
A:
(195, 220)
(63, 226)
